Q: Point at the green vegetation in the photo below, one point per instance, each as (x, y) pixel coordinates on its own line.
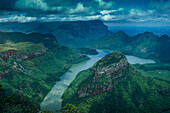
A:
(145, 45)
(111, 41)
(30, 64)
(134, 91)
(158, 70)
(88, 51)
(16, 103)
(69, 108)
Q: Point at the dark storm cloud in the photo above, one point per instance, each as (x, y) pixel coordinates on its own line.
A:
(7, 4)
(132, 11)
(64, 6)
(162, 6)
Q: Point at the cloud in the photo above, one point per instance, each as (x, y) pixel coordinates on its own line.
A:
(17, 18)
(121, 14)
(7, 4)
(162, 6)
(80, 9)
(139, 12)
(39, 5)
(64, 6)
(73, 10)
(105, 5)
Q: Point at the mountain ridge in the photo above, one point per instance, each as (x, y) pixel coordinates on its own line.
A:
(145, 45)
(67, 33)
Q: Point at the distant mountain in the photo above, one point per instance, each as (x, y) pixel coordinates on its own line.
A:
(30, 65)
(112, 85)
(114, 41)
(67, 33)
(146, 45)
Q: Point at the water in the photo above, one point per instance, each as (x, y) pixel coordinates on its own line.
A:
(53, 100)
(135, 60)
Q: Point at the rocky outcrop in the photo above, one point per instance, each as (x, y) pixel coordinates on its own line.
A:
(107, 73)
(6, 55)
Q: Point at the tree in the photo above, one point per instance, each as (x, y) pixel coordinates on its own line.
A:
(69, 108)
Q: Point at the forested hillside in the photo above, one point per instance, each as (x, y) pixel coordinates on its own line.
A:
(30, 64)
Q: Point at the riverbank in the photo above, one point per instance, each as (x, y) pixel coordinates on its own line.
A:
(53, 100)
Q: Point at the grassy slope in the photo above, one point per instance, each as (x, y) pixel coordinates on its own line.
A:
(139, 93)
(40, 73)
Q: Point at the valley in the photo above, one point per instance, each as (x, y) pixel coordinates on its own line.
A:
(37, 69)
(30, 64)
(84, 56)
(53, 100)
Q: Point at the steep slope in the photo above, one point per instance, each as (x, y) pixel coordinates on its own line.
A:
(146, 45)
(30, 64)
(113, 85)
(67, 33)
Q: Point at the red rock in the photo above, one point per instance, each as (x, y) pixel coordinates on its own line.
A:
(38, 91)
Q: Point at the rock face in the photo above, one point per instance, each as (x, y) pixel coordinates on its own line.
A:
(112, 85)
(106, 74)
(7, 55)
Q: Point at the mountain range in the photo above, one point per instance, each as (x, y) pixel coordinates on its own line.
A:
(70, 34)
(145, 45)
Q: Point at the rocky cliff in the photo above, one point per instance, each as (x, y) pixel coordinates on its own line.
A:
(113, 85)
(106, 74)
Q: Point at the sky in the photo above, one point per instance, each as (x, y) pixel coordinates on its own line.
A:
(116, 12)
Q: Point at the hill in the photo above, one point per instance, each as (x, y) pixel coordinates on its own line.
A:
(30, 64)
(71, 34)
(145, 45)
(112, 85)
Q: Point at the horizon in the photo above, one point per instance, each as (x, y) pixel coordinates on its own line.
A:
(118, 12)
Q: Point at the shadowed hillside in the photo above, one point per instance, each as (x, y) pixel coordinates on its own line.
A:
(67, 33)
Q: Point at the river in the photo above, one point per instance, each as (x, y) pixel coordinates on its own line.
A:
(53, 100)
